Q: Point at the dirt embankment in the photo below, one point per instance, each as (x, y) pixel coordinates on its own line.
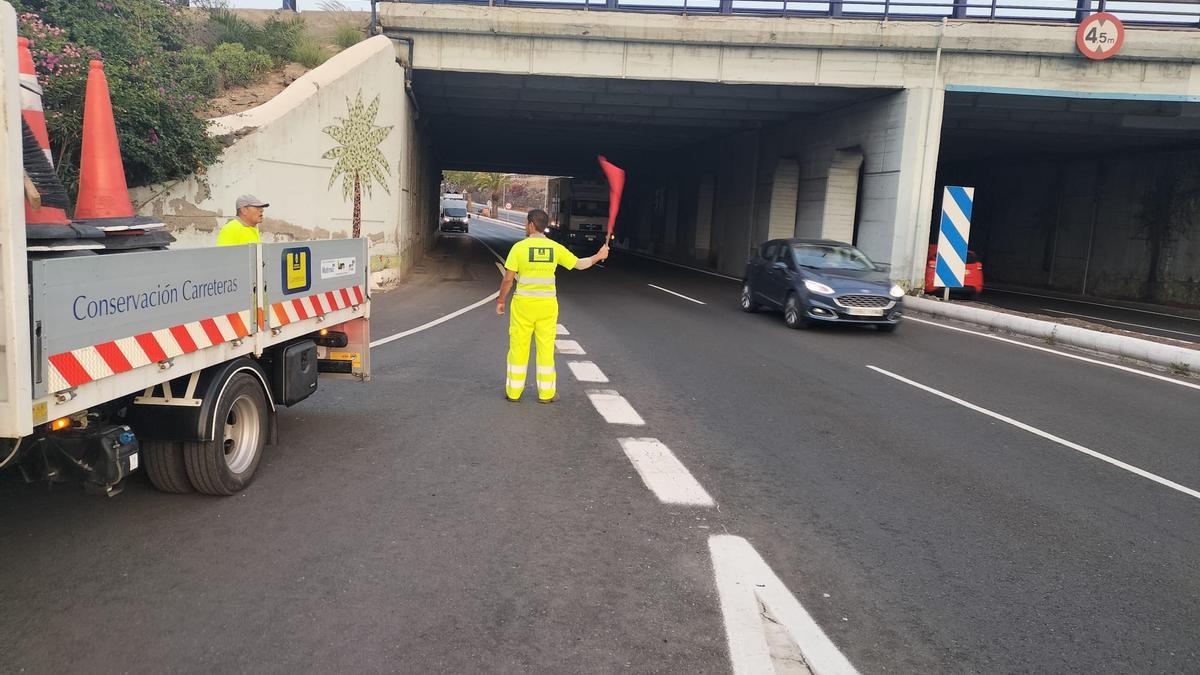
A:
(322, 26)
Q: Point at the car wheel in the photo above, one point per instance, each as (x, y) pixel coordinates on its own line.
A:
(793, 313)
(886, 327)
(747, 300)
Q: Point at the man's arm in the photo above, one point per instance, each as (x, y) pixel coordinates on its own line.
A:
(505, 286)
(584, 263)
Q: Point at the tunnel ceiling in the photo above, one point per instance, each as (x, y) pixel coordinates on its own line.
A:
(557, 125)
(979, 126)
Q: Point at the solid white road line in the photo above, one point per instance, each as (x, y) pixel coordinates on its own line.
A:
(745, 584)
(560, 329)
(1095, 362)
(678, 295)
(444, 319)
(614, 408)
(435, 322)
(1094, 304)
(498, 256)
(663, 473)
(1038, 432)
(568, 347)
(1123, 323)
(586, 371)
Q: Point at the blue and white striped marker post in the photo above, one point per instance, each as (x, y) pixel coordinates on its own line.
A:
(951, 269)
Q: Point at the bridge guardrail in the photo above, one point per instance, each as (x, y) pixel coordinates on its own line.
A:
(1133, 12)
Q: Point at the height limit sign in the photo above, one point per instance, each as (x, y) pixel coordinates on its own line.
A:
(1100, 36)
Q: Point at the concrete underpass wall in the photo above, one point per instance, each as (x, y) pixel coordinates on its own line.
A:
(798, 179)
(277, 152)
(1125, 229)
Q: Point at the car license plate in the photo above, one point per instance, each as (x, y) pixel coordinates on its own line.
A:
(864, 311)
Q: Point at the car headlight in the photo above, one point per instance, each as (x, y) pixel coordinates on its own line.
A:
(896, 291)
(817, 287)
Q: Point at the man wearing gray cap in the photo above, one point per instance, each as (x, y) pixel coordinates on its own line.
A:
(243, 229)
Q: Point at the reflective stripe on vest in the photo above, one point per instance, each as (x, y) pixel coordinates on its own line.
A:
(546, 281)
(534, 294)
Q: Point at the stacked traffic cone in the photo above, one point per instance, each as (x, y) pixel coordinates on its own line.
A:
(35, 119)
(103, 194)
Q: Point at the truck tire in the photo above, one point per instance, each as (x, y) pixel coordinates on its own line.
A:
(226, 464)
(165, 466)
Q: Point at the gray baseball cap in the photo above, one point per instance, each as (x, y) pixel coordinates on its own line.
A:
(250, 200)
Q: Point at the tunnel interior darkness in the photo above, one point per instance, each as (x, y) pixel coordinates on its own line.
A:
(537, 124)
(1085, 196)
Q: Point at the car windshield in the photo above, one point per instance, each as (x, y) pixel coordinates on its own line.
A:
(456, 212)
(825, 256)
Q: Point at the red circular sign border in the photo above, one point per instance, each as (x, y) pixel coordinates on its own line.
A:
(1096, 56)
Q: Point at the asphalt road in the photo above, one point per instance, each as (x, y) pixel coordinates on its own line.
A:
(420, 523)
(1161, 322)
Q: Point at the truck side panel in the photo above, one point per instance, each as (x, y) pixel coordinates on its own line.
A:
(312, 285)
(99, 316)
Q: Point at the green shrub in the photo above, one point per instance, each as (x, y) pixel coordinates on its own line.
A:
(281, 35)
(239, 67)
(223, 26)
(347, 35)
(197, 70)
(155, 96)
(308, 53)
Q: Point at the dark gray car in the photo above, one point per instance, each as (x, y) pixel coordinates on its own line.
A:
(820, 281)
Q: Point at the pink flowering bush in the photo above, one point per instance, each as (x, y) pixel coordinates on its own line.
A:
(156, 82)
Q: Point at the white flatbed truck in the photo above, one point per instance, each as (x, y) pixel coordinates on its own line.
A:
(174, 362)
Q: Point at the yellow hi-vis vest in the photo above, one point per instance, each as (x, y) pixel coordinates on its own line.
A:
(535, 260)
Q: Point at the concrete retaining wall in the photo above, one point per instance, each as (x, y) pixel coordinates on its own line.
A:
(277, 152)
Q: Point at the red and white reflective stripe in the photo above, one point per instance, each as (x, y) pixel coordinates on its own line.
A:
(88, 364)
(31, 93)
(318, 304)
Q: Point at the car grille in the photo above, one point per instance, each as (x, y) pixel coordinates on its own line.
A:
(864, 301)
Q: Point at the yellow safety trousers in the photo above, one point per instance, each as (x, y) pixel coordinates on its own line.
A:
(532, 318)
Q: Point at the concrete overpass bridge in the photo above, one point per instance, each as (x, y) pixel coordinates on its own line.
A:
(739, 127)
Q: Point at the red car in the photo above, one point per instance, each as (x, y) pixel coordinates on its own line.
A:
(973, 283)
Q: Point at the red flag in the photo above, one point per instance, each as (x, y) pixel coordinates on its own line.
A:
(616, 184)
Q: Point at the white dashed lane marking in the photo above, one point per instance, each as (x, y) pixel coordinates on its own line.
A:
(561, 330)
(568, 347)
(586, 371)
(678, 295)
(663, 473)
(614, 408)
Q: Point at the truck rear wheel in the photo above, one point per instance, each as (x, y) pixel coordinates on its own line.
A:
(165, 466)
(226, 464)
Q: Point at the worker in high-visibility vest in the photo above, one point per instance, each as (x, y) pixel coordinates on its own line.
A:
(244, 228)
(532, 263)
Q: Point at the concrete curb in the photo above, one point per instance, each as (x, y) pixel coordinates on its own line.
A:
(1166, 356)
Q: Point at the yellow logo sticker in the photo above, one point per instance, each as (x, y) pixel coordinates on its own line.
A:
(296, 273)
(541, 254)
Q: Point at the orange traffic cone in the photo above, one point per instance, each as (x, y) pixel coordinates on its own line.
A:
(35, 118)
(103, 194)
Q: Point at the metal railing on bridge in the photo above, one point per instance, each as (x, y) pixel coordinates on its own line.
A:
(1134, 12)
